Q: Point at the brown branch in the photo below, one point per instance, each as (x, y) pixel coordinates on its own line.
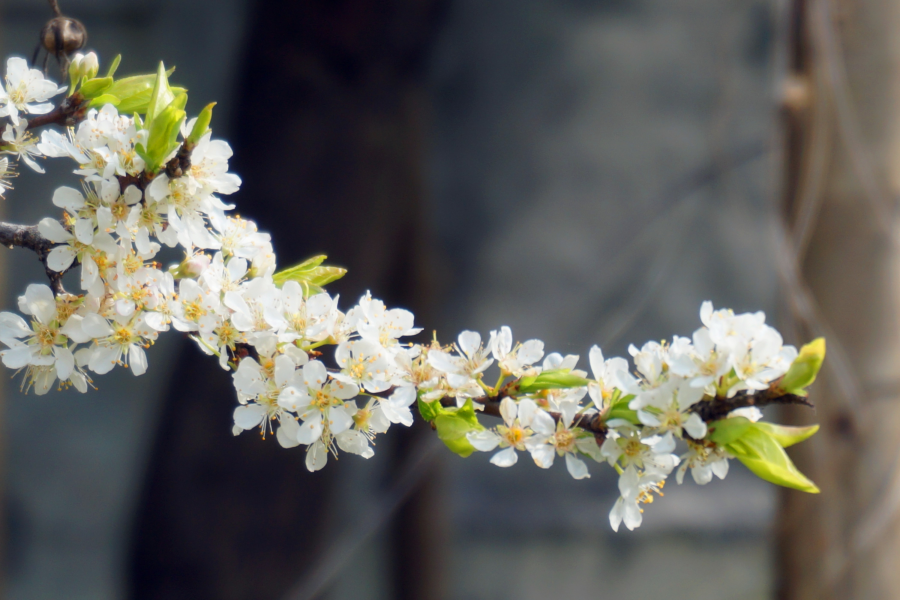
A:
(28, 237)
(69, 113)
(718, 408)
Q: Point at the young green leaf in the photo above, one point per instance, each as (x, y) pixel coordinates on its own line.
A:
(804, 369)
(161, 96)
(95, 87)
(102, 100)
(310, 274)
(453, 425)
(726, 431)
(114, 66)
(550, 380)
(762, 454)
(429, 410)
(201, 125)
(787, 436)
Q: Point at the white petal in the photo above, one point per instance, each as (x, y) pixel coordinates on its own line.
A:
(84, 231)
(68, 198)
(597, 363)
(353, 442)
(65, 363)
(61, 258)
(41, 303)
(137, 359)
(53, 231)
(508, 410)
(96, 326)
(338, 420)
(17, 356)
(484, 441)
(695, 427)
(287, 432)
(469, 341)
(249, 416)
(543, 423)
(577, 468)
(505, 458)
(310, 430)
(543, 456)
(316, 456)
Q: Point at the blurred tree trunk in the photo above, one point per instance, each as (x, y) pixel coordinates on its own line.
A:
(843, 174)
(330, 145)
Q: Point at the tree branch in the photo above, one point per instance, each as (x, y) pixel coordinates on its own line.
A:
(28, 236)
(718, 408)
(69, 112)
(709, 410)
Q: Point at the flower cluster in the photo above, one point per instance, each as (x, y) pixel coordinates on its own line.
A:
(144, 187)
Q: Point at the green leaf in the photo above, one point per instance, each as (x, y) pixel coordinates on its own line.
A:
(163, 137)
(804, 369)
(102, 100)
(787, 436)
(310, 274)
(114, 65)
(135, 92)
(550, 380)
(621, 411)
(96, 86)
(161, 96)
(762, 454)
(201, 125)
(453, 425)
(726, 431)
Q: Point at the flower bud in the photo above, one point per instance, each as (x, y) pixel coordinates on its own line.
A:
(90, 65)
(83, 66)
(191, 267)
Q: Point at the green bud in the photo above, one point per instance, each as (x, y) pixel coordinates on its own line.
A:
(310, 274)
(95, 87)
(550, 380)
(81, 67)
(201, 125)
(804, 369)
(452, 426)
(762, 454)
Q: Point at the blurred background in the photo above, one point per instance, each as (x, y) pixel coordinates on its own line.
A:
(584, 171)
